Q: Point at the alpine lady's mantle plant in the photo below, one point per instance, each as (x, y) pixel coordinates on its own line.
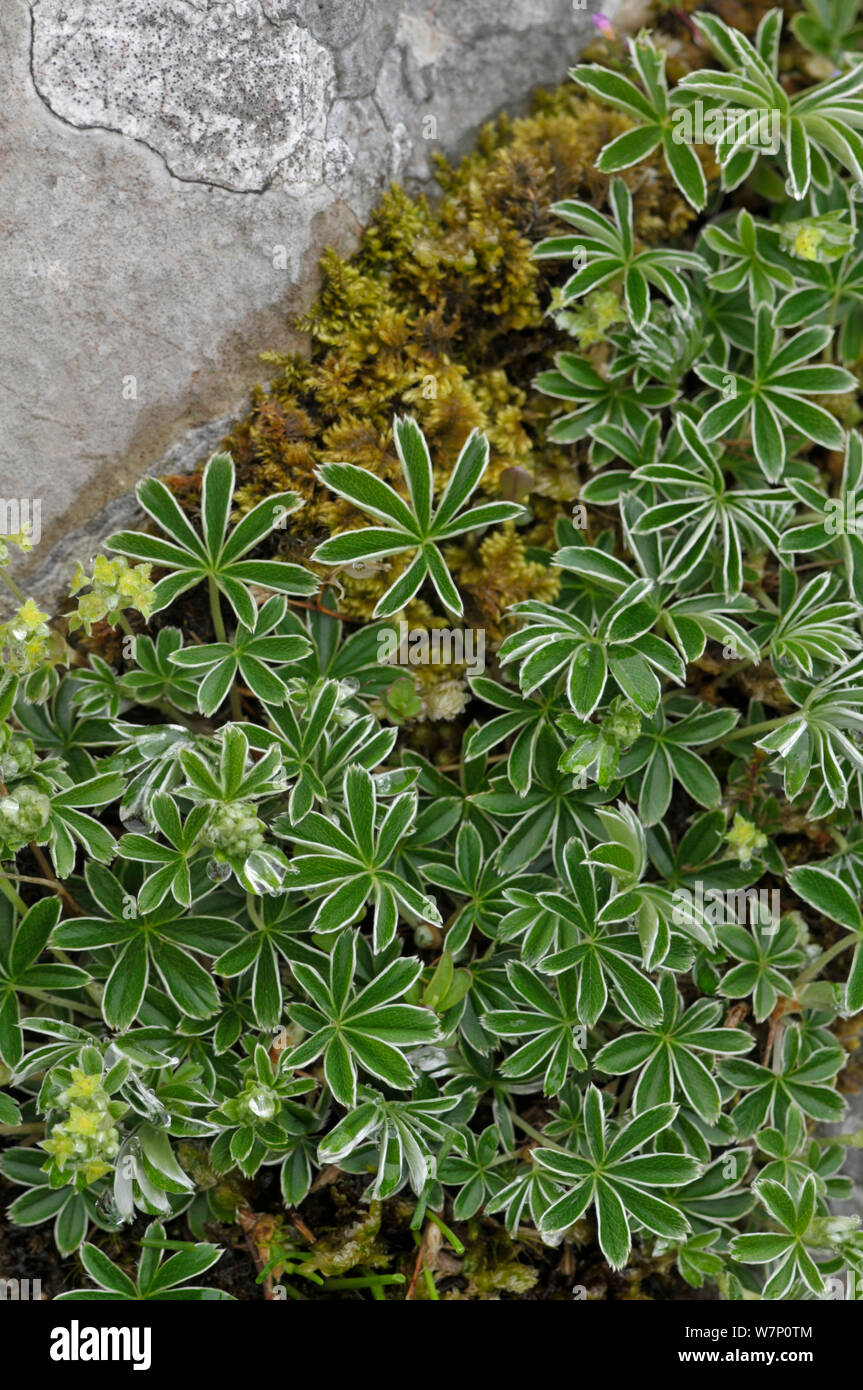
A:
(245, 926)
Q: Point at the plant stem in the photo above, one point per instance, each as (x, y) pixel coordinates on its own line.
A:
(35, 1128)
(10, 584)
(536, 1134)
(820, 961)
(71, 1004)
(222, 636)
(366, 1282)
(172, 713)
(445, 1231)
(9, 892)
(29, 878)
(58, 887)
(252, 909)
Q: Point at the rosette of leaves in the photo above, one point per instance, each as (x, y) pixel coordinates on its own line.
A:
(605, 251)
(158, 1280)
(416, 526)
(254, 653)
(251, 1120)
(216, 554)
(704, 514)
(488, 916)
(611, 1175)
(557, 647)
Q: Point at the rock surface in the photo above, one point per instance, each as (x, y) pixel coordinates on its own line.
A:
(171, 170)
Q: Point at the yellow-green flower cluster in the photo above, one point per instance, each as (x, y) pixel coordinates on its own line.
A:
(87, 1141)
(234, 830)
(23, 817)
(25, 640)
(744, 839)
(23, 539)
(114, 586)
(17, 755)
(590, 321)
(824, 238)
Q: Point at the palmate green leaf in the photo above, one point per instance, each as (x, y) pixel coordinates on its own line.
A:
(416, 528)
(776, 397)
(363, 1027)
(605, 251)
(472, 1167)
(617, 1180)
(174, 860)
(406, 1133)
(160, 937)
(816, 626)
(664, 753)
(821, 734)
(548, 1022)
(751, 256)
(674, 1059)
(652, 109)
(598, 401)
(801, 1081)
(768, 956)
(216, 555)
(558, 649)
(786, 1249)
(833, 523)
(158, 1279)
(347, 865)
(599, 955)
(704, 515)
(253, 653)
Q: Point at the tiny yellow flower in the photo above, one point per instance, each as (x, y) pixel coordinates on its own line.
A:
(85, 1123)
(84, 1085)
(806, 243)
(94, 1169)
(30, 615)
(744, 839)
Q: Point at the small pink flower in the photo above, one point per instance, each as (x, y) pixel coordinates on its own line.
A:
(603, 25)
